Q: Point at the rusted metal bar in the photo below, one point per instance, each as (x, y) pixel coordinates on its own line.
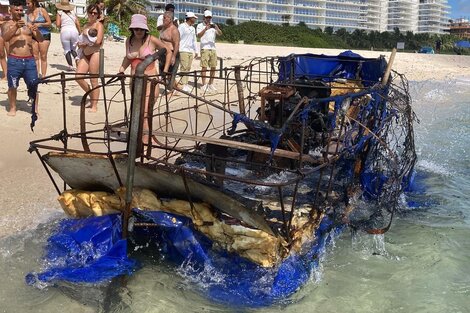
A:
(47, 170)
(294, 198)
(134, 138)
(283, 211)
(150, 107)
(64, 107)
(336, 152)
(188, 194)
(113, 164)
(241, 98)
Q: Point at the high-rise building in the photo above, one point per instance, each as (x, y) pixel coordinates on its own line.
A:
(378, 15)
(433, 16)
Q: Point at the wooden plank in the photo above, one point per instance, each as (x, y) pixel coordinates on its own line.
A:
(233, 144)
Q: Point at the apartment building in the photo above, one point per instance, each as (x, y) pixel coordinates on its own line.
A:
(379, 15)
(433, 16)
(460, 28)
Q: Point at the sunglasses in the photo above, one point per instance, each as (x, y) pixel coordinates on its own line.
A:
(139, 29)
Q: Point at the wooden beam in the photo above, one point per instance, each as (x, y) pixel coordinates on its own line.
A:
(233, 144)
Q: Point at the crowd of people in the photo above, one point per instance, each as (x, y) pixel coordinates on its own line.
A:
(25, 36)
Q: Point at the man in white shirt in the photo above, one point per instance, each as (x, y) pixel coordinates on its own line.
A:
(187, 47)
(207, 31)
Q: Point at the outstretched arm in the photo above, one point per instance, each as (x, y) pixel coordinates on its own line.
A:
(175, 40)
(48, 22)
(125, 62)
(36, 33)
(58, 20)
(9, 29)
(169, 55)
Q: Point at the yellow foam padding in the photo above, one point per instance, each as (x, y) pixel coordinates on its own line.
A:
(342, 88)
(253, 244)
(303, 230)
(143, 199)
(79, 203)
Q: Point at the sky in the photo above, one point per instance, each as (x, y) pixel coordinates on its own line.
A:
(459, 8)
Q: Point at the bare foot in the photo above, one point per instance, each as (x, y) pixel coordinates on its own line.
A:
(11, 113)
(93, 110)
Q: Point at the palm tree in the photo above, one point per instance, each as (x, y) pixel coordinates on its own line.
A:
(124, 8)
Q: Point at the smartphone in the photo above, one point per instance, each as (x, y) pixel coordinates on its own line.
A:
(212, 25)
(24, 17)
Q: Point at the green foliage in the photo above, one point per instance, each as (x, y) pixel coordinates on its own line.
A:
(301, 36)
(230, 22)
(263, 33)
(123, 9)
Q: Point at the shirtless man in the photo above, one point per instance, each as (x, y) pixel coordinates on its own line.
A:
(21, 61)
(170, 34)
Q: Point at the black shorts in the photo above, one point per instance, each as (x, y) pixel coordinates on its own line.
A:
(47, 36)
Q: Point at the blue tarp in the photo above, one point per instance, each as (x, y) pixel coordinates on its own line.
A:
(90, 251)
(462, 44)
(347, 65)
(87, 250)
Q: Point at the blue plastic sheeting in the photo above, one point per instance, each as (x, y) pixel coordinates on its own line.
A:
(85, 251)
(90, 251)
(348, 65)
(462, 44)
(240, 282)
(372, 184)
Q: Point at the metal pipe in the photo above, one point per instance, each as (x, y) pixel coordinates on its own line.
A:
(134, 139)
(241, 98)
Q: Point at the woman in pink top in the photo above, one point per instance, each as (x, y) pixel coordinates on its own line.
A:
(139, 45)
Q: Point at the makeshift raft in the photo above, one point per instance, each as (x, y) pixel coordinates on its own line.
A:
(251, 183)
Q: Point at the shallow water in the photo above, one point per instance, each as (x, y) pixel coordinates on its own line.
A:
(420, 265)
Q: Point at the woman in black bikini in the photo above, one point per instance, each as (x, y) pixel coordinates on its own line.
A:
(90, 61)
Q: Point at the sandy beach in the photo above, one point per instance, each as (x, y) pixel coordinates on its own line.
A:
(27, 197)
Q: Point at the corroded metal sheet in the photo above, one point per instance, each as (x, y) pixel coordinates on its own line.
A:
(95, 172)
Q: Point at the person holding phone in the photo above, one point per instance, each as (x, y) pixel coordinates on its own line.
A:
(38, 15)
(21, 63)
(207, 31)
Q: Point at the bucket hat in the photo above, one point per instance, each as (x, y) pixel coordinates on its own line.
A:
(139, 21)
(64, 5)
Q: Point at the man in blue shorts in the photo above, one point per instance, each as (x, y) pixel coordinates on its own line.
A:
(21, 63)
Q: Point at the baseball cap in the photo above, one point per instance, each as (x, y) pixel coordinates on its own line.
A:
(207, 13)
(190, 15)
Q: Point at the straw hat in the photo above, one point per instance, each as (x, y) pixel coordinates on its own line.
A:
(139, 21)
(64, 5)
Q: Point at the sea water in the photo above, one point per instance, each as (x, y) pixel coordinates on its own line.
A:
(421, 265)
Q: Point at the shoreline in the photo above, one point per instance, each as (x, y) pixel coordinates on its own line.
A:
(27, 195)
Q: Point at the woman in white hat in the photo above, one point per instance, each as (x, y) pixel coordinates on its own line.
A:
(69, 26)
(90, 60)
